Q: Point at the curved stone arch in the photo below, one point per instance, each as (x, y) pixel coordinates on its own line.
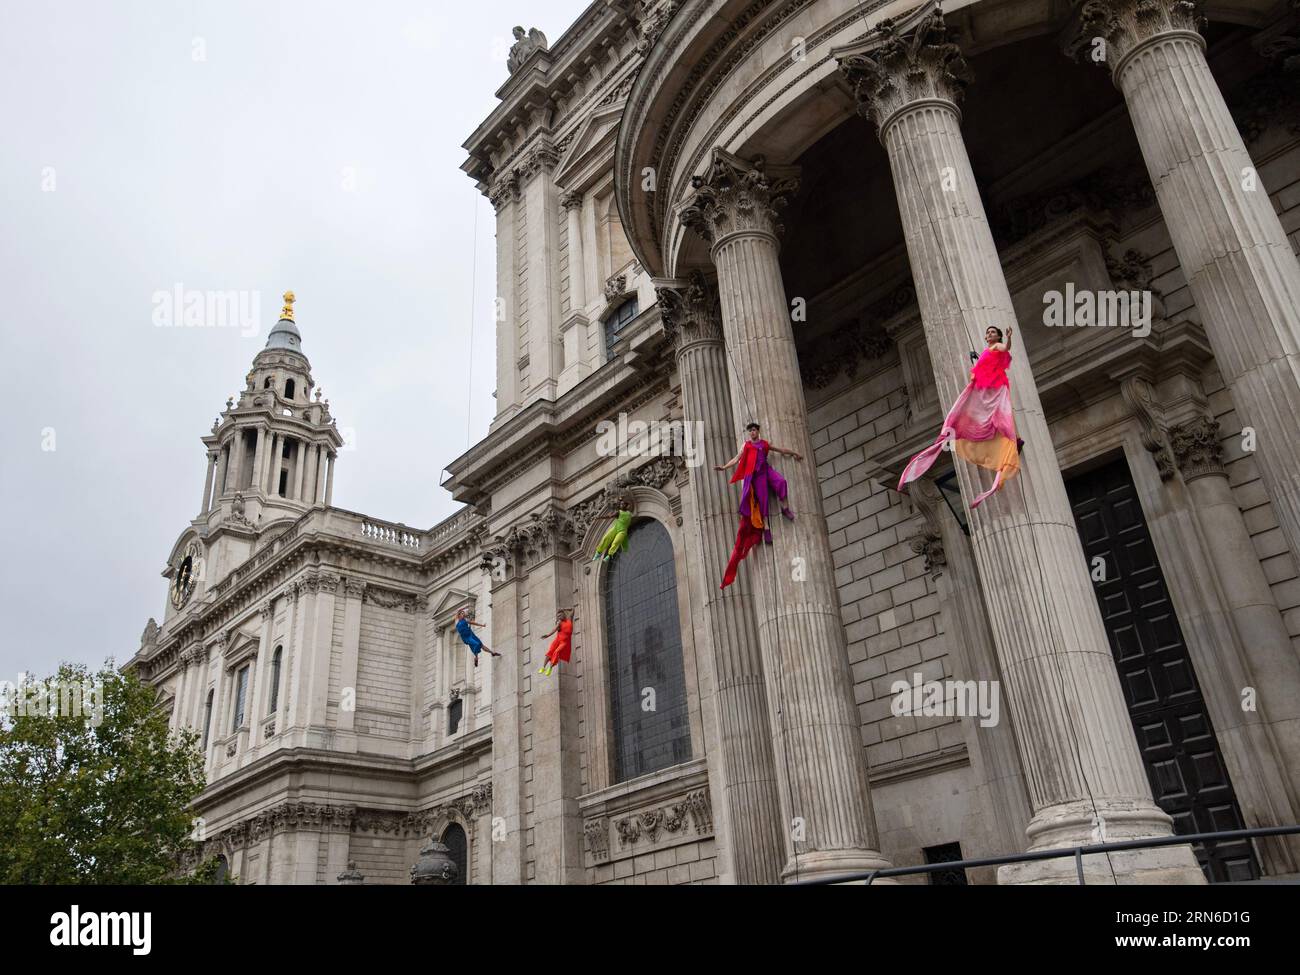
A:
(720, 74)
(589, 646)
(451, 815)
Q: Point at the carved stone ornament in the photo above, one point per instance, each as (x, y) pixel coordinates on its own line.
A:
(736, 196)
(928, 542)
(615, 286)
(1196, 447)
(671, 818)
(897, 65)
(1125, 24)
(1140, 398)
(690, 310)
(848, 348)
(652, 19)
(392, 599)
(597, 832)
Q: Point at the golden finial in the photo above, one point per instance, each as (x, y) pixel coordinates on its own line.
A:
(287, 311)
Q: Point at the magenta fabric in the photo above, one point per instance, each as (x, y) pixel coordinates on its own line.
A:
(990, 370)
(980, 415)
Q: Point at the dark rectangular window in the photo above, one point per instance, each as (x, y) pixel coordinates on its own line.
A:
(453, 715)
(946, 853)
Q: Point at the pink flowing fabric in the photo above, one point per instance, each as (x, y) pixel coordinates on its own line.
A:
(980, 427)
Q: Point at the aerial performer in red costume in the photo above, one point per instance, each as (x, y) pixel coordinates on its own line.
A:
(760, 479)
(980, 425)
(562, 646)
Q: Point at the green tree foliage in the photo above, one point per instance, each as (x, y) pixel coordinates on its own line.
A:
(101, 798)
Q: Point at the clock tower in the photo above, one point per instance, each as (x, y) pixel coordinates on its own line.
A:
(270, 459)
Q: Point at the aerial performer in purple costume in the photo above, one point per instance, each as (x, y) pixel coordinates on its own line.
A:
(760, 479)
(980, 425)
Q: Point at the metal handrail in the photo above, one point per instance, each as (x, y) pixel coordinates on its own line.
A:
(1078, 852)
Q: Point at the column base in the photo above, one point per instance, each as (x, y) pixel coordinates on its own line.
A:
(827, 864)
(1105, 821)
(1165, 865)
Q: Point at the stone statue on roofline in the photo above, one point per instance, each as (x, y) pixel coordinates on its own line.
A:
(524, 47)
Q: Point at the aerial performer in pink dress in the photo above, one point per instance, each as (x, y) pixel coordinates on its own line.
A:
(760, 479)
(980, 425)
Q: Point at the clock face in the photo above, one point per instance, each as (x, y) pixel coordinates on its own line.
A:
(185, 576)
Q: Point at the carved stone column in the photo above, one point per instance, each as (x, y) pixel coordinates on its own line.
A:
(1230, 243)
(207, 483)
(223, 460)
(1000, 780)
(504, 194)
(259, 458)
(1076, 741)
(744, 773)
(1273, 669)
(508, 701)
(820, 759)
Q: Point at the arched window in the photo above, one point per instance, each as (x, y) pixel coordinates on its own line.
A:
(275, 678)
(615, 322)
(644, 641)
(453, 838)
(222, 873)
(266, 383)
(207, 720)
(288, 389)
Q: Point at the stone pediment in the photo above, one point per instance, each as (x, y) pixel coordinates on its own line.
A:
(452, 600)
(591, 152)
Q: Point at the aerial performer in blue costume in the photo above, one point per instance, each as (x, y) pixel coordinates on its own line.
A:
(463, 624)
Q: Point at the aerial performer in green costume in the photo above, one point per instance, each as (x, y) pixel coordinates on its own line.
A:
(615, 539)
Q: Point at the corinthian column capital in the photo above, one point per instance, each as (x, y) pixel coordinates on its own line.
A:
(738, 196)
(902, 63)
(1196, 447)
(690, 310)
(1122, 26)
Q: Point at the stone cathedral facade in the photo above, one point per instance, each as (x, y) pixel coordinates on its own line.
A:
(805, 213)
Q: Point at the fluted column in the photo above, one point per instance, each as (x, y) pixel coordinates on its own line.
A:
(809, 687)
(1274, 669)
(271, 476)
(236, 460)
(223, 461)
(1076, 740)
(329, 480)
(1230, 243)
(572, 203)
(995, 761)
(308, 471)
(299, 464)
(207, 483)
(745, 776)
(259, 457)
(318, 478)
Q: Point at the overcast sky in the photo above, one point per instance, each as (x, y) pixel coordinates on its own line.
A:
(228, 145)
